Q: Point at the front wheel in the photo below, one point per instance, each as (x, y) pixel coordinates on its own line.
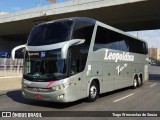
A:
(93, 92)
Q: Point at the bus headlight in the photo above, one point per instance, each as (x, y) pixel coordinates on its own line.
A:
(60, 87)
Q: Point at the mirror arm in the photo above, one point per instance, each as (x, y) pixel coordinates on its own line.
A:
(64, 49)
(16, 48)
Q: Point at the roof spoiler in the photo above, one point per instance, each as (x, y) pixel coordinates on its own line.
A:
(16, 48)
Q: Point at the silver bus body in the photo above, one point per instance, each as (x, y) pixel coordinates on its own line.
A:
(110, 69)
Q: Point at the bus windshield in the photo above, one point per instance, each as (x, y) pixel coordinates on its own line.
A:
(44, 66)
(50, 33)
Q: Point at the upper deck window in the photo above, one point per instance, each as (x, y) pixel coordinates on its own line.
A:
(83, 30)
(106, 38)
(50, 33)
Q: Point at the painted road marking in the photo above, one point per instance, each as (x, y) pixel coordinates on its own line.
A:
(124, 97)
(153, 85)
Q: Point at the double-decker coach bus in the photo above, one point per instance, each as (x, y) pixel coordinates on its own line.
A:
(74, 58)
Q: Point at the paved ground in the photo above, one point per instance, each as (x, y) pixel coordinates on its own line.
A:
(10, 83)
(145, 98)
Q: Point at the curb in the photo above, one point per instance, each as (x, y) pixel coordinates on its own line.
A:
(3, 92)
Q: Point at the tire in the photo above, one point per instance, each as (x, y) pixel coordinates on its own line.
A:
(139, 82)
(93, 92)
(135, 83)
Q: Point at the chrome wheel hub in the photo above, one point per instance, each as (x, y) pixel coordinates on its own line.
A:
(135, 82)
(93, 91)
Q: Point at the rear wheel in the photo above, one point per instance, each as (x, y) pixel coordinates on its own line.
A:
(135, 83)
(139, 82)
(93, 92)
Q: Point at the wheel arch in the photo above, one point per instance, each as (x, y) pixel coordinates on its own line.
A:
(135, 75)
(141, 76)
(98, 82)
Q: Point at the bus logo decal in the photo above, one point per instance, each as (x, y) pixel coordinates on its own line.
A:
(125, 56)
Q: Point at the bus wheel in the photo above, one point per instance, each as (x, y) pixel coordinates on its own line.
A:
(139, 82)
(135, 83)
(93, 92)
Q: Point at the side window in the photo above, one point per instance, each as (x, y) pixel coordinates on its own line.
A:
(132, 44)
(113, 41)
(110, 39)
(101, 38)
(77, 59)
(83, 30)
(123, 43)
(74, 66)
(140, 47)
(137, 46)
(145, 47)
(74, 56)
(106, 38)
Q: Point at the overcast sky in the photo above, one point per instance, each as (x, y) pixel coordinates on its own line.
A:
(151, 36)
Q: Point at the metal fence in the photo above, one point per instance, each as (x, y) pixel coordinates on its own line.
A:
(9, 67)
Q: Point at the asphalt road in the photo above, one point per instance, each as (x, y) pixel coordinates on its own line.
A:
(145, 98)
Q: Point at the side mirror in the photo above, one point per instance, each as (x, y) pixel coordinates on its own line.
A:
(64, 49)
(16, 48)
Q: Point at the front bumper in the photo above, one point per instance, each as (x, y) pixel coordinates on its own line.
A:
(55, 96)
